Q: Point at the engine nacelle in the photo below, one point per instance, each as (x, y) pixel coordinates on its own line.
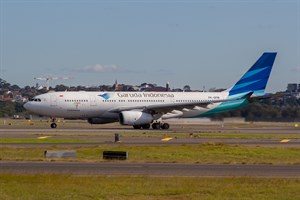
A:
(135, 118)
(100, 120)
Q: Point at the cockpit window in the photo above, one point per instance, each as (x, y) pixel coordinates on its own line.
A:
(35, 99)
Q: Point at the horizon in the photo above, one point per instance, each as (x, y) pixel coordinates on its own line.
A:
(138, 85)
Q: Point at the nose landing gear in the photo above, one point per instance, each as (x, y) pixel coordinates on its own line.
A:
(53, 124)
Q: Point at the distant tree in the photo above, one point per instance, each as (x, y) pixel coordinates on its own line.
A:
(4, 84)
(186, 88)
(61, 88)
(14, 88)
(293, 101)
(290, 112)
(80, 88)
(19, 107)
(130, 88)
(7, 108)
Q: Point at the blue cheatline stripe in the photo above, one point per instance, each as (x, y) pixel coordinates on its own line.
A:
(237, 86)
(264, 74)
(253, 72)
(259, 85)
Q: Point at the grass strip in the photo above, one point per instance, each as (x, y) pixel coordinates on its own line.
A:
(35, 140)
(48, 187)
(248, 136)
(210, 153)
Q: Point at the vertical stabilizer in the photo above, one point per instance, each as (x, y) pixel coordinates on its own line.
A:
(256, 78)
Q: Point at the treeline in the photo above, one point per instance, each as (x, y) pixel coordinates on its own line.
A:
(275, 109)
(9, 108)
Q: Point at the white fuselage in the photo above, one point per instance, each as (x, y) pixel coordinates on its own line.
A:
(100, 104)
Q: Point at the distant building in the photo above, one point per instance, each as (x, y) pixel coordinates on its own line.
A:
(19, 98)
(117, 87)
(7, 98)
(293, 88)
(167, 86)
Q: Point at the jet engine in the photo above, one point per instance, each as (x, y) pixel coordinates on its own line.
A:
(97, 120)
(135, 118)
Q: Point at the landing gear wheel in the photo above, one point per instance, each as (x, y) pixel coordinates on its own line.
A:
(146, 126)
(165, 126)
(137, 126)
(156, 125)
(53, 125)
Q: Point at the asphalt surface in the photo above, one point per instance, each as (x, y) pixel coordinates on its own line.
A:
(188, 128)
(293, 143)
(150, 169)
(95, 136)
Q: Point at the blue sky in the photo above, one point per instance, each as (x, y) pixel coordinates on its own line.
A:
(199, 43)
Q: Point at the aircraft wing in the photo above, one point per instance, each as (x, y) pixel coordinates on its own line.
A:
(159, 108)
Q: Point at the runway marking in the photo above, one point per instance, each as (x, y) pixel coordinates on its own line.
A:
(166, 139)
(284, 141)
(43, 137)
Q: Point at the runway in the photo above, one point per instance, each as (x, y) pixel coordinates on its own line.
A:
(150, 169)
(293, 143)
(175, 128)
(179, 135)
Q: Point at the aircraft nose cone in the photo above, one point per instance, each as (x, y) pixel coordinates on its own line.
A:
(26, 106)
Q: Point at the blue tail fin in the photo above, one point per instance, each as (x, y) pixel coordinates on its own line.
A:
(256, 78)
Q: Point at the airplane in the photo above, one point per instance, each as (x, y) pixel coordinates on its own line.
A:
(145, 109)
(48, 79)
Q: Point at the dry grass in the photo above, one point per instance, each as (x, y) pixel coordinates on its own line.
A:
(47, 187)
(210, 153)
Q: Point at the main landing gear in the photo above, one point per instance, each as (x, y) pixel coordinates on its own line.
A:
(157, 125)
